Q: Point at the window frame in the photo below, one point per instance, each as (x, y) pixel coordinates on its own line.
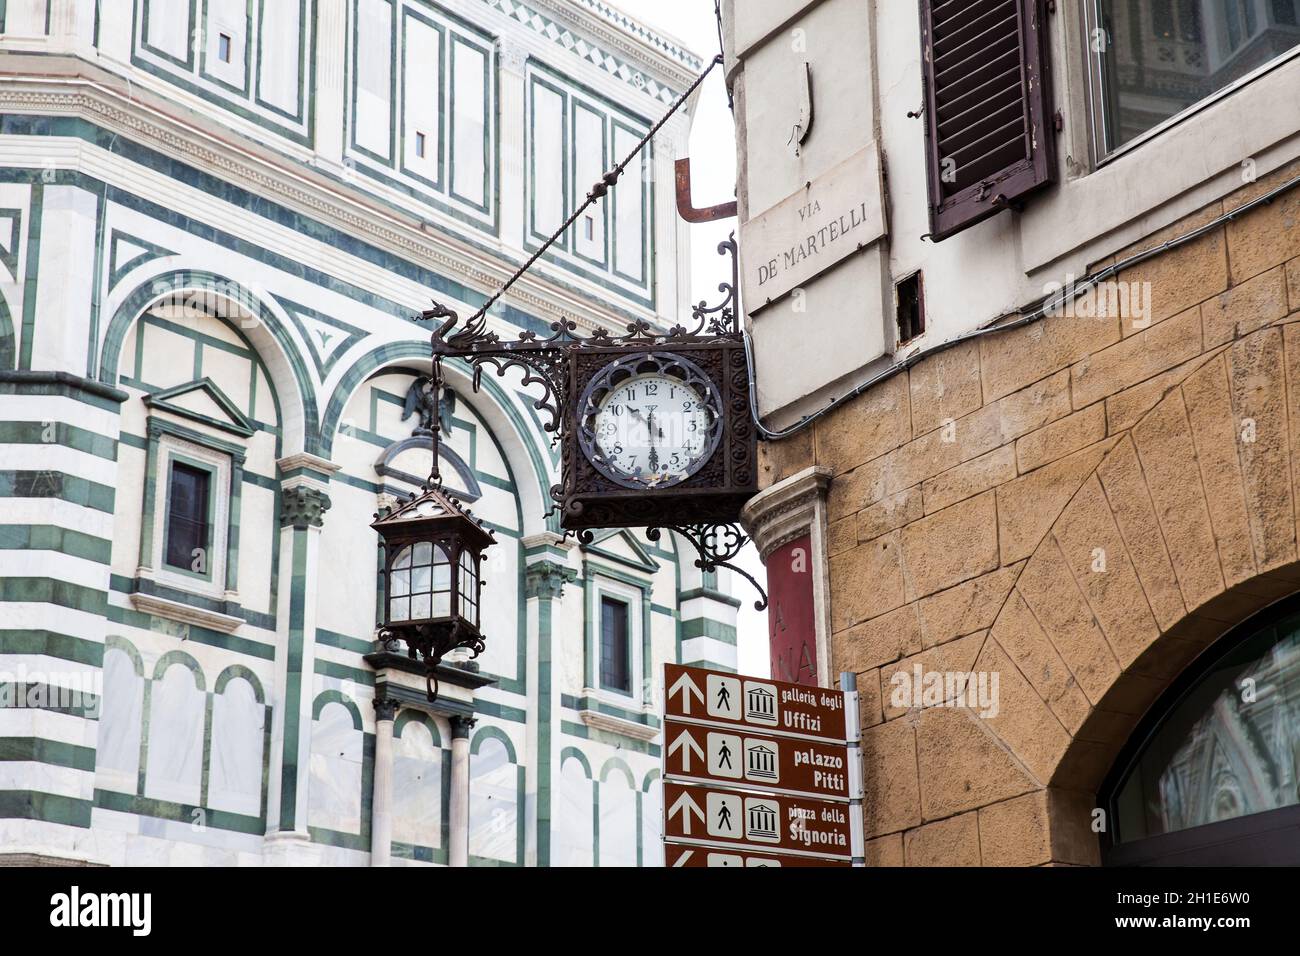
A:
(168, 440)
(603, 582)
(1219, 842)
(601, 601)
(174, 458)
(1096, 93)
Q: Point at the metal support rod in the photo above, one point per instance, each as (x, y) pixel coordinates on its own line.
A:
(853, 732)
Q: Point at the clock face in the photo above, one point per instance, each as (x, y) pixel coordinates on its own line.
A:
(650, 422)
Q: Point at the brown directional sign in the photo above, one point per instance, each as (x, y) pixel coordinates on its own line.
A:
(691, 856)
(759, 821)
(768, 706)
(736, 756)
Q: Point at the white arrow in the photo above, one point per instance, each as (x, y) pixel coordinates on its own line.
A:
(686, 743)
(681, 860)
(684, 802)
(687, 688)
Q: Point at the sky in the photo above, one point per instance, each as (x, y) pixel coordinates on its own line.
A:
(713, 175)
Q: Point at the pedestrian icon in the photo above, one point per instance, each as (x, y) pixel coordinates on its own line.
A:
(723, 816)
(722, 697)
(724, 756)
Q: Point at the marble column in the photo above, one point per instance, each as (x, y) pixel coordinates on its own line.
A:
(303, 503)
(458, 812)
(544, 582)
(381, 801)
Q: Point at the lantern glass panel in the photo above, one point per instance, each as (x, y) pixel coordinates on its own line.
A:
(468, 588)
(420, 578)
(419, 583)
(400, 583)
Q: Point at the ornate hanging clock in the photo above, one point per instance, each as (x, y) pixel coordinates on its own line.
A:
(659, 435)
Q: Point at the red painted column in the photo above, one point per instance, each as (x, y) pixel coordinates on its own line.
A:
(791, 624)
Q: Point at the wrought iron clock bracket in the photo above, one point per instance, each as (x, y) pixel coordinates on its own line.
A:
(717, 546)
(543, 361)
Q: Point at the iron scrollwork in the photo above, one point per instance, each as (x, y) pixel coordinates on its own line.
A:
(549, 361)
(544, 359)
(718, 546)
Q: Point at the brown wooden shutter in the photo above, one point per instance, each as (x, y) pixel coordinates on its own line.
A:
(987, 107)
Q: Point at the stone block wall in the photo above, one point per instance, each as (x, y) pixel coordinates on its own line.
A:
(1081, 505)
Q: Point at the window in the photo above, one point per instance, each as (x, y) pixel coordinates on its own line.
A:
(1223, 746)
(189, 519)
(223, 48)
(615, 646)
(911, 308)
(419, 145)
(1152, 62)
(987, 104)
(191, 493)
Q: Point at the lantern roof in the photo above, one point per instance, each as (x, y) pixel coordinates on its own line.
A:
(435, 506)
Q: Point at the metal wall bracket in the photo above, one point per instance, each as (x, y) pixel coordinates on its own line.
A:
(717, 546)
(544, 361)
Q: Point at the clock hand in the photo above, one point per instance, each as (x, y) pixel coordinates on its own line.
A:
(654, 452)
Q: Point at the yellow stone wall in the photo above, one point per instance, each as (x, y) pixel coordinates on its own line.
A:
(971, 545)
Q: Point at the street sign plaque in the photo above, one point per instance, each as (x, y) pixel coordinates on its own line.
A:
(690, 856)
(736, 756)
(758, 821)
(767, 706)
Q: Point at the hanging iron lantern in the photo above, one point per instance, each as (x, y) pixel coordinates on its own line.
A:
(433, 555)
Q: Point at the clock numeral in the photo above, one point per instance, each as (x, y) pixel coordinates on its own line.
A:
(688, 406)
(651, 389)
(631, 394)
(616, 410)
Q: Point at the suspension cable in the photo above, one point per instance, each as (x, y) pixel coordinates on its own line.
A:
(598, 191)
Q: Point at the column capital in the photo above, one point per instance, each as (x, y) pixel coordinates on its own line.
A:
(386, 708)
(512, 55)
(546, 579)
(786, 510)
(303, 507)
(461, 726)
